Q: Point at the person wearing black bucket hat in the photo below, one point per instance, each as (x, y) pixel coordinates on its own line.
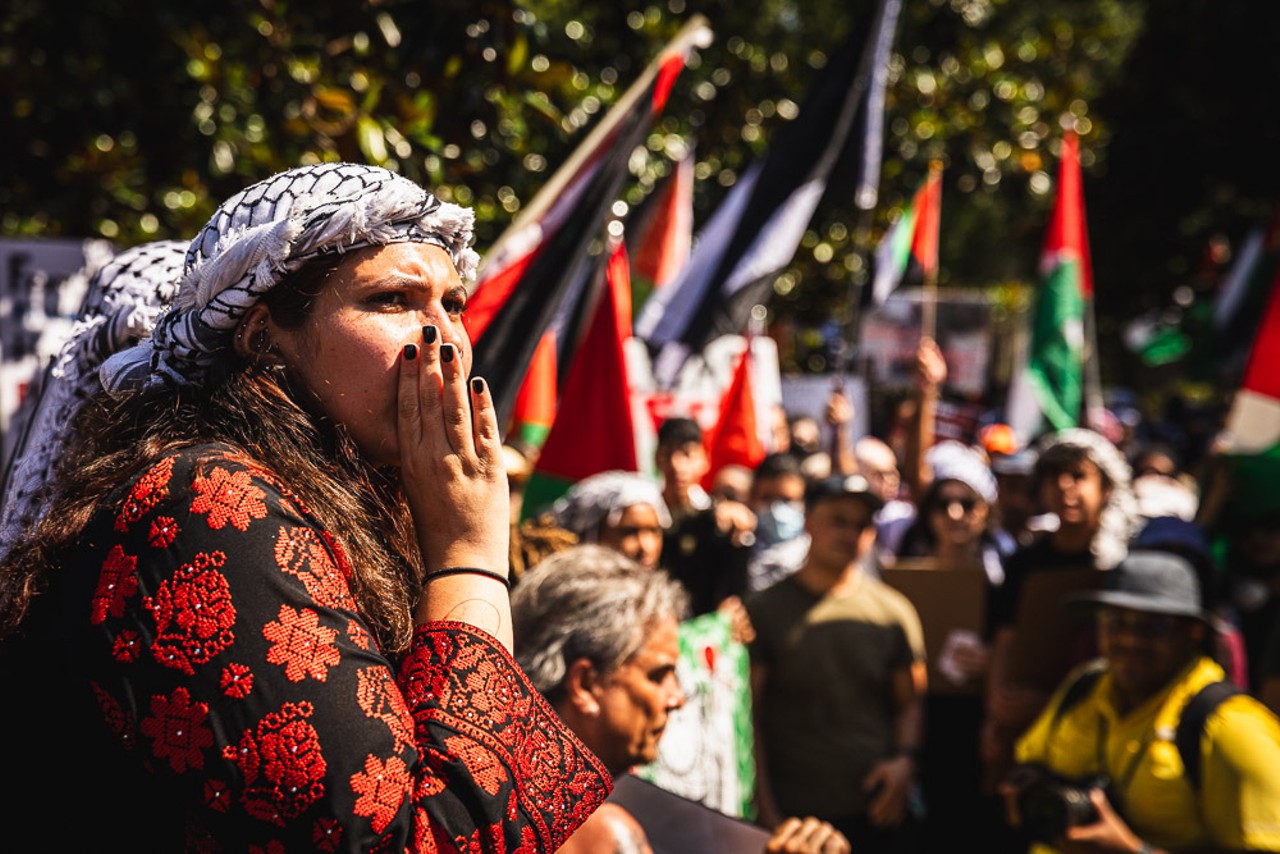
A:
(1110, 752)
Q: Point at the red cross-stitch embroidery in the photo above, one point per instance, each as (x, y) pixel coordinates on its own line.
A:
(228, 497)
(147, 492)
(358, 635)
(116, 583)
(381, 789)
(177, 729)
(327, 835)
(217, 795)
(301, 644)
(236, 681)
(282, 764)
(380, 699)
(193, 613)
(163, 531)
(481, 763)
(117, 719)
(125, 648)
(300, 552)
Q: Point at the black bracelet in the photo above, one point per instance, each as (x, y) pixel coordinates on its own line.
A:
(470, 570)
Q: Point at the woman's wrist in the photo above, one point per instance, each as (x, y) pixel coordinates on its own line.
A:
(501, 577)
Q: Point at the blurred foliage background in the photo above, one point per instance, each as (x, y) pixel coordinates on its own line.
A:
(130, 120)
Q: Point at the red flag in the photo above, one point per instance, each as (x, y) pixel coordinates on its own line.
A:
(594, 430)
(734, 439)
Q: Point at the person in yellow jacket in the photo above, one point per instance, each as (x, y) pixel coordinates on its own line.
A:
(1105, 767)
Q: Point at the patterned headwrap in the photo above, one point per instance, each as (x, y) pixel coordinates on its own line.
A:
(951, 460)
(604, 497)
(1119, 520)
(123, 301)
(264, 233)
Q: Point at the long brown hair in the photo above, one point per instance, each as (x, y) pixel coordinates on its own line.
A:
(256, 411)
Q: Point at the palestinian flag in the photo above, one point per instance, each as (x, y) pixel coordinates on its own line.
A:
(535, 405)
(532, 277)
(754, 233)
(1048, 391)
(660, 233)
(1253, 424)
(909, 249)
(735, 438)
(595, 429)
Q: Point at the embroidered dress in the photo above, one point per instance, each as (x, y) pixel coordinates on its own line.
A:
(220, 692)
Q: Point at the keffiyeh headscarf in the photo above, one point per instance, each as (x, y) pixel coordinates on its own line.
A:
(1119, 519)
(268, 231)
(951, 460)
(604, 497)
(123, 301)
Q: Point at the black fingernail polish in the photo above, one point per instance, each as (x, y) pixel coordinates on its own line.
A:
(429, 334)
(446, 352)
(477, 385)
(410, 351)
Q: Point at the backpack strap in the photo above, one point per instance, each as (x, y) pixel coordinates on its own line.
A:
(1191, 725)
(1079, 689)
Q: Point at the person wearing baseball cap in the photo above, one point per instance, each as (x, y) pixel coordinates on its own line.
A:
(1153, 633)
(837, 672)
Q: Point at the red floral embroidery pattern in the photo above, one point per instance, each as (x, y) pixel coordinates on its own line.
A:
(379, 698)
(282, 764)
(217, 795)
(228, 497)
(358, 635)
(301, 644)
(327, 835)
(126, 648)
(430, 783)
(236, 681)
(381, 790)
(450, 676)
(117, 719)
(481, 764)
(177, 730)
(117, 581)
(149, 491)
(193, 614)
(301, 552)
(163, 531)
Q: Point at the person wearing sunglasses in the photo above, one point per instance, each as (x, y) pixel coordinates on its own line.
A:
(1119, 742)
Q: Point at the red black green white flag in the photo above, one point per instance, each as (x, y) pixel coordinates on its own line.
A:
(1048, 390)
(532, 277)
(594, 430)
(909, 249)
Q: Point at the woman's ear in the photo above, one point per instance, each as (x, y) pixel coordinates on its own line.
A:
(582, 686)
(252, 339)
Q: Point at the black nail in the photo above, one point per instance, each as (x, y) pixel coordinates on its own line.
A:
(446, 352)
(429, 334)
(477, 385)
(410, 351)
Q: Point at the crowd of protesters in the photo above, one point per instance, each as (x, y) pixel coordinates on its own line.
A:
(254, 581)
(825, 558)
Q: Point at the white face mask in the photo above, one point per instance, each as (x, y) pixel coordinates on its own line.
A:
(779, 522)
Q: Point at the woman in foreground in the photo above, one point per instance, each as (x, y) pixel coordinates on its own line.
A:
(267, 607)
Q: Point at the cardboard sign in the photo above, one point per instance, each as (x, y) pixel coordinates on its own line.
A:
(677, 825)
(952, 605)
(1047, 639)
